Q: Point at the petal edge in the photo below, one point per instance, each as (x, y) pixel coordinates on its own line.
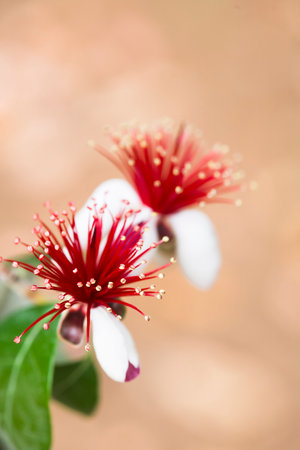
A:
(197, 247)
(114, 346)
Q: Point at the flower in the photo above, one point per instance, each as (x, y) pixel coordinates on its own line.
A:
(169, 171)
(92, 285)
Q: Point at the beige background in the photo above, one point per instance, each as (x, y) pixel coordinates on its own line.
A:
(220, 370)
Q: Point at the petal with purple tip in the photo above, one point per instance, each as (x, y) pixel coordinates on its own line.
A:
(114, 346)
(132, 372)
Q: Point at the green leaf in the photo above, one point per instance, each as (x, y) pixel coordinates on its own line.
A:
(76, 385)
(26, 372)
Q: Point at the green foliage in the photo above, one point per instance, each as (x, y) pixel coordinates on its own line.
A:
(26, 372)
(75, 384)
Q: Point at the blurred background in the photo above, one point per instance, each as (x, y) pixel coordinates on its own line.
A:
(220, 369)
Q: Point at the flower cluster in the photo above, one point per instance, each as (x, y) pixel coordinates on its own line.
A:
(93, 282)
(94, 259)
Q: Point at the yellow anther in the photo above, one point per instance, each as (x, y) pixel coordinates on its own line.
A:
(212, 193)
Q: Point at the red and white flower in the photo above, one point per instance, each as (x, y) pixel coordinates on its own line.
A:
(92, 284)
(168, 172)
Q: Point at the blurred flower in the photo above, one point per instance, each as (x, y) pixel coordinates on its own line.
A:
(93, 284)
(170, 172)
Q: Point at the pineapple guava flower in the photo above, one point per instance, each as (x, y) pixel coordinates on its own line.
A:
(93, 284)
(168, 172)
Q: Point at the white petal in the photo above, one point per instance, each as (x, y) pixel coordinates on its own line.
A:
(196, 247)
(149, 237)
(110, 192)
(114, 346)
